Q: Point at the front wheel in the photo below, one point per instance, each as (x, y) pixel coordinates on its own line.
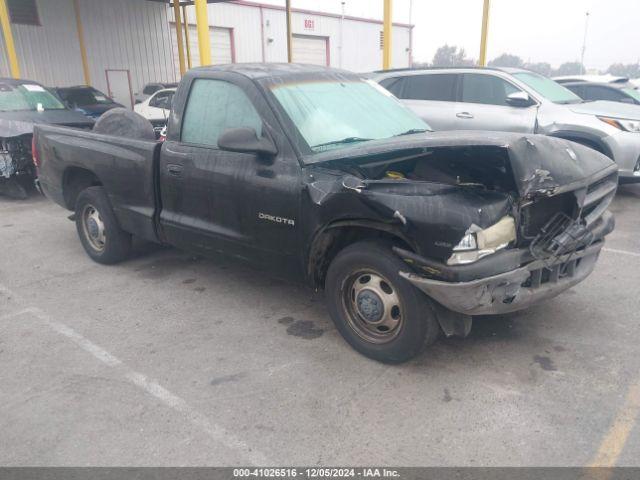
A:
(101, 236)
(376, 310)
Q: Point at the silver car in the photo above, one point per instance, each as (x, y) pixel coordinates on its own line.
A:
(516, 100)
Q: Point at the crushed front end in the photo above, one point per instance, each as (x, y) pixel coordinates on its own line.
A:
(17, 171)
(559, 231)
(487, 222)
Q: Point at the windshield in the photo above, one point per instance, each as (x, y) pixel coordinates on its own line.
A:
(549, 89)
(632, 92)
(27, 97)
(85, 96)
(335, 114)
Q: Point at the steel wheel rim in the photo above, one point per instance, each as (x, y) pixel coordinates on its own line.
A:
(93, 228)
(373, 306)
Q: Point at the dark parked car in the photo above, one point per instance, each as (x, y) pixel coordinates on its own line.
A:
(621, 91)
(324, 177)
(24, 103)
(86, 100)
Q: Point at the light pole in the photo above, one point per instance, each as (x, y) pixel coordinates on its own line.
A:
(342, 33)
(485, 33)
(584, 43)
(411, 34)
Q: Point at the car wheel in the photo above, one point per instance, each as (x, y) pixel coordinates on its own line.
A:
(101, 236)
(377, 311)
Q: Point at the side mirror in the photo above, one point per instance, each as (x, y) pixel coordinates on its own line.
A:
(519, 99)
(245, 140)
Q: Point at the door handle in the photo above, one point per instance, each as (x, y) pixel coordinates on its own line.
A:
(464, 115)
(175, 170)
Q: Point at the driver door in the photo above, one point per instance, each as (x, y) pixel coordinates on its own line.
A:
(215, 200)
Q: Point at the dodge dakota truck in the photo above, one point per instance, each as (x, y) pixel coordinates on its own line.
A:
(319, 175)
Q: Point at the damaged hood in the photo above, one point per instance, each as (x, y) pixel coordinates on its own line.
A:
(13, 124)
(539, 164)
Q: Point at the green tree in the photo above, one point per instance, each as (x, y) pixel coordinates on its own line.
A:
(570, 68)
(542, 68)
(621, 70)
(451, 56)
(507, 60)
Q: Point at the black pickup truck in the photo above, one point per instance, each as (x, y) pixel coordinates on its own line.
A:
(324, 177)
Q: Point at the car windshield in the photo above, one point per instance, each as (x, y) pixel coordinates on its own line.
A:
(85, 96)
(632, 92)
(27, 97)
(335, 114)
(549, 89)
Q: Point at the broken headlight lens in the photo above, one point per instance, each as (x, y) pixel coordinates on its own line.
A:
(478, 243)
(622, 124)
(467, 243)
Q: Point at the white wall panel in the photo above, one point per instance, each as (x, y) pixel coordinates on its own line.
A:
(135, 35)
(221, 45)
(245, 23)
(130, 35)
(49, 53)
(311, 50)
(361, 38)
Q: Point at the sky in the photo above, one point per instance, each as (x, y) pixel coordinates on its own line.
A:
(537, 30)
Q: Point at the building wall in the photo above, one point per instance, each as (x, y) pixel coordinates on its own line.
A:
(119, 34)
(49, 53)
(259, 33)
(135, 35)
(131, 35)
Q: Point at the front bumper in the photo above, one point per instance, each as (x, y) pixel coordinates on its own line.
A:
(510, 291)
(518, 288)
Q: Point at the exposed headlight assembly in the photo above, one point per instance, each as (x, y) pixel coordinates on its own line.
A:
(622, 124)
(478, 243)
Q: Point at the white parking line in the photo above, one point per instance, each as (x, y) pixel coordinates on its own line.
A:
(622, 252)
(150, 386)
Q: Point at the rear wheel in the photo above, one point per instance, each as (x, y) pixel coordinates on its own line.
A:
(101, 236)
(376, 310)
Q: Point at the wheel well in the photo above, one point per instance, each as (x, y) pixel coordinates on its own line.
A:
(74, 181)
(328, 243)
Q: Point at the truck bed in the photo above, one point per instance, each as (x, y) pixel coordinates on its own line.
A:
(125, 167)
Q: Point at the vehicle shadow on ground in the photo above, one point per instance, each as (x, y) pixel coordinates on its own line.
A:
(295, 301)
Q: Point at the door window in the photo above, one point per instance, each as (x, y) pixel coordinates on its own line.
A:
(486, 89)
(394, 85)
(603, 93)
(439, 87)
(213, 107)
(151, 89)
(162, 100)
(578, 90)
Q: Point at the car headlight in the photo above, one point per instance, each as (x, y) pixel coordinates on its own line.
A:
(478, 243)
(622, 124)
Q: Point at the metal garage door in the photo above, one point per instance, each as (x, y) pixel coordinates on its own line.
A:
(221, 45)
(311, 50)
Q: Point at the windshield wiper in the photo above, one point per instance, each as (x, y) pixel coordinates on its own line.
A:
(413, 131)
(343, 141)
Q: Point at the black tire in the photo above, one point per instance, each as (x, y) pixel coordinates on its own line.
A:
(416, 325)
(103, 240)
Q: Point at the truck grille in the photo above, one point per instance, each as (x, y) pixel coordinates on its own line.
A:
(553, 274)
(598, 198)
(585, 205)
(534, 217)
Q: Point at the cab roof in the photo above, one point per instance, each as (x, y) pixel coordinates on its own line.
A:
(257, 71)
